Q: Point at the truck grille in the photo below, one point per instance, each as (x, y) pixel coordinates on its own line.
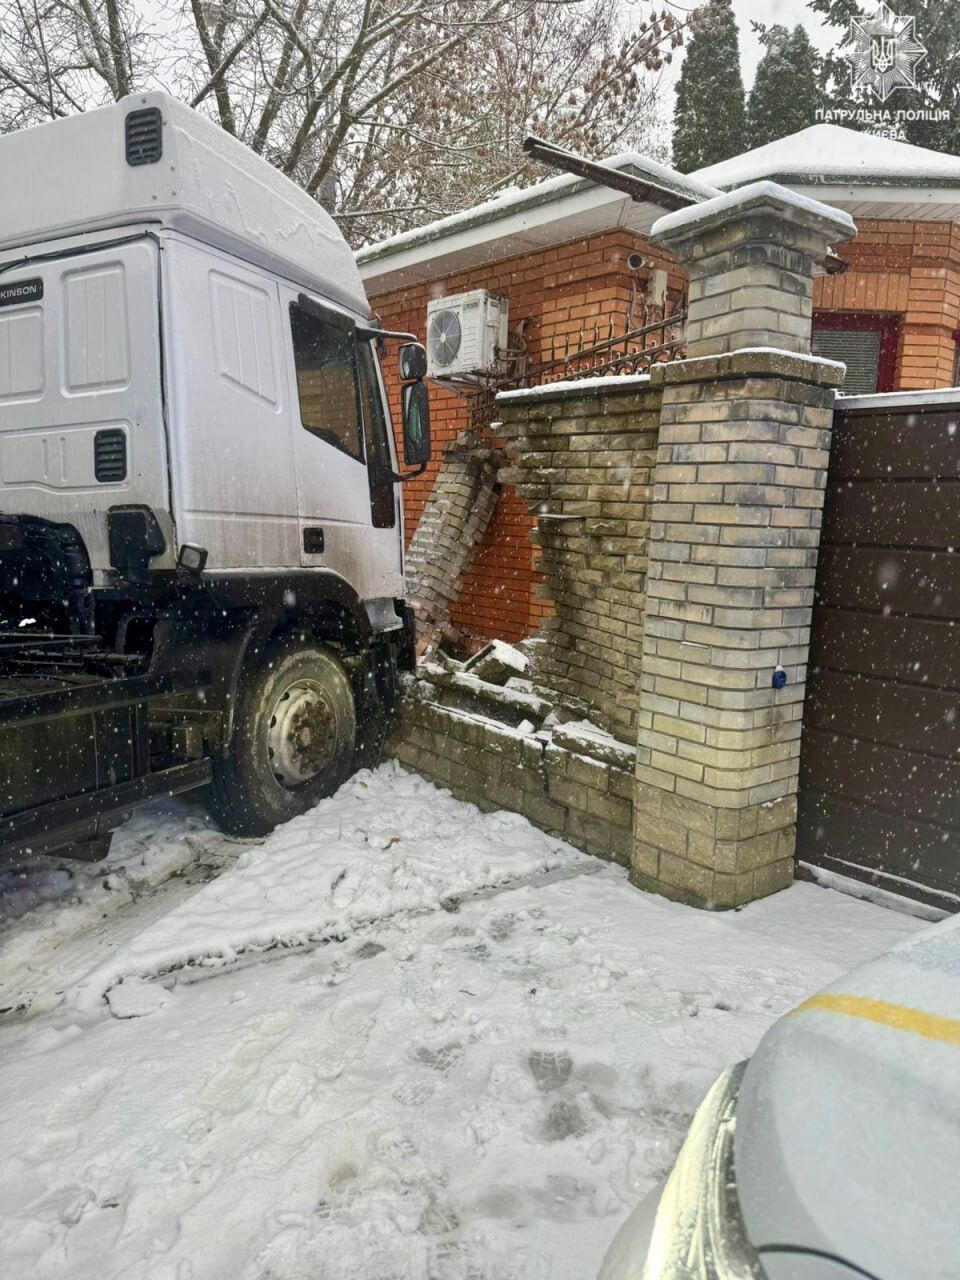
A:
(144, 136)
(110, 456)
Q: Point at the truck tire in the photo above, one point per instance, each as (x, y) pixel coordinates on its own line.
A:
(293, 740)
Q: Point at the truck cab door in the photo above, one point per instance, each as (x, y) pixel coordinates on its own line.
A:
(346, 505)
(385, 508)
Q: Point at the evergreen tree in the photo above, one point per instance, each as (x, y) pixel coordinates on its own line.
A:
(709, 124)
(938, 74)
(785, 94)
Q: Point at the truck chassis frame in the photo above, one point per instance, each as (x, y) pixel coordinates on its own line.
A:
(96, 705)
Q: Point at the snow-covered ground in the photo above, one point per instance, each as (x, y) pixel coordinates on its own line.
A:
(397, 1040)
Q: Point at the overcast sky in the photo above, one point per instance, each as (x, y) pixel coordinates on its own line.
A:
(787, 12)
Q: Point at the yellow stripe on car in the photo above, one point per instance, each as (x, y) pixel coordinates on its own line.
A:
(898, 1016)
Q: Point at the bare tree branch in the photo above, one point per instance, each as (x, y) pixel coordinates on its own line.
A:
(392, 110)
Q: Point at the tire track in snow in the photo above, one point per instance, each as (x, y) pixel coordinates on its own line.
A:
(204, 967)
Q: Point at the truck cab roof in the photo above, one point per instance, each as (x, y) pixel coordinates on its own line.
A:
(151, 159)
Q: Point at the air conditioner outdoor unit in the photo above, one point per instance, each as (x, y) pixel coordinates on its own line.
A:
(464, 333)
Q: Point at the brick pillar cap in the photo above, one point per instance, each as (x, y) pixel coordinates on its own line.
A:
(835, 225)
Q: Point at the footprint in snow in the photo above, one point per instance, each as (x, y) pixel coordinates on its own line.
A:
(288, 1090)
(356, 1015)
(270, 1157)
(190, 1124)
(275, 1023)
(223, 1090)
(413, 1093)
(437, 1220)
(368, 950)
(52, 1144)
(564, 1120)
(467, 1260)
(550, 1068)
(79, 1101)
(328, 1063)
(394, 1146)
(501, 927)
(441, 1060)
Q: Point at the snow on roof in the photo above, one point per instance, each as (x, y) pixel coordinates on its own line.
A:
(566, 206)
(515, 199)
(743, 197)
(828, 152)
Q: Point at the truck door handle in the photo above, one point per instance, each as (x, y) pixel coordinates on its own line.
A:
(313, 540)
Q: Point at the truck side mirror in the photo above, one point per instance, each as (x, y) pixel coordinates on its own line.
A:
(413, 361)
(416, 424)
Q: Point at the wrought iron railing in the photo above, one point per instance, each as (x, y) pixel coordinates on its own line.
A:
(596, 350)
(593, 353)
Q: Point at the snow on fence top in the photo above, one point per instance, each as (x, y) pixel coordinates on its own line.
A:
(828, 151)
(75, 177)
(899, 400)
(594, 385)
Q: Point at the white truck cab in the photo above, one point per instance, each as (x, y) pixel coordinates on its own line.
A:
(197, 465)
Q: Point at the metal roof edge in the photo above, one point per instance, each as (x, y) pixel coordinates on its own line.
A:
(901, 400)
(853, 180)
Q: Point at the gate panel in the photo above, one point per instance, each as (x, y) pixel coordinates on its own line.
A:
(879, 766)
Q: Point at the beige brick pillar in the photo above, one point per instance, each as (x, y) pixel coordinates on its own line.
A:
(738, 497)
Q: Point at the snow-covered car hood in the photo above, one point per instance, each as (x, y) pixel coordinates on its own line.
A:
(848, 1121)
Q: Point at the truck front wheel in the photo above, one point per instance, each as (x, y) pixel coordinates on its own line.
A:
(293, 740)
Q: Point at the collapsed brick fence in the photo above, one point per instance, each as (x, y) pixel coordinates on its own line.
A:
(584, 460)
(679, 522)
(455, 516)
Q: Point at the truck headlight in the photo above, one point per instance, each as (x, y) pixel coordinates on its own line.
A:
(698, 1233)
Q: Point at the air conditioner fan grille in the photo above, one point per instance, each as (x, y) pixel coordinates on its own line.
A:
(445, 337)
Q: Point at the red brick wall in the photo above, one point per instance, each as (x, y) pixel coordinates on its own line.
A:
(557, 291)
(911, 270)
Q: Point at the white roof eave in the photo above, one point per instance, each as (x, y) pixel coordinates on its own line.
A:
(589, 212)
(554, 212)
(942, 203)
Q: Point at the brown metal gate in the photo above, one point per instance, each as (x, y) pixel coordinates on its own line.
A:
(879, 766)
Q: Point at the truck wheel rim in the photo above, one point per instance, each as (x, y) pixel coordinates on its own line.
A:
(301, 733)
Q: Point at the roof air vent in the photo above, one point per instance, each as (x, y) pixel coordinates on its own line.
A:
(144, 136)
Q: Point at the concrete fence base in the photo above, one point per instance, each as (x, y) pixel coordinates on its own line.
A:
(570, 781)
